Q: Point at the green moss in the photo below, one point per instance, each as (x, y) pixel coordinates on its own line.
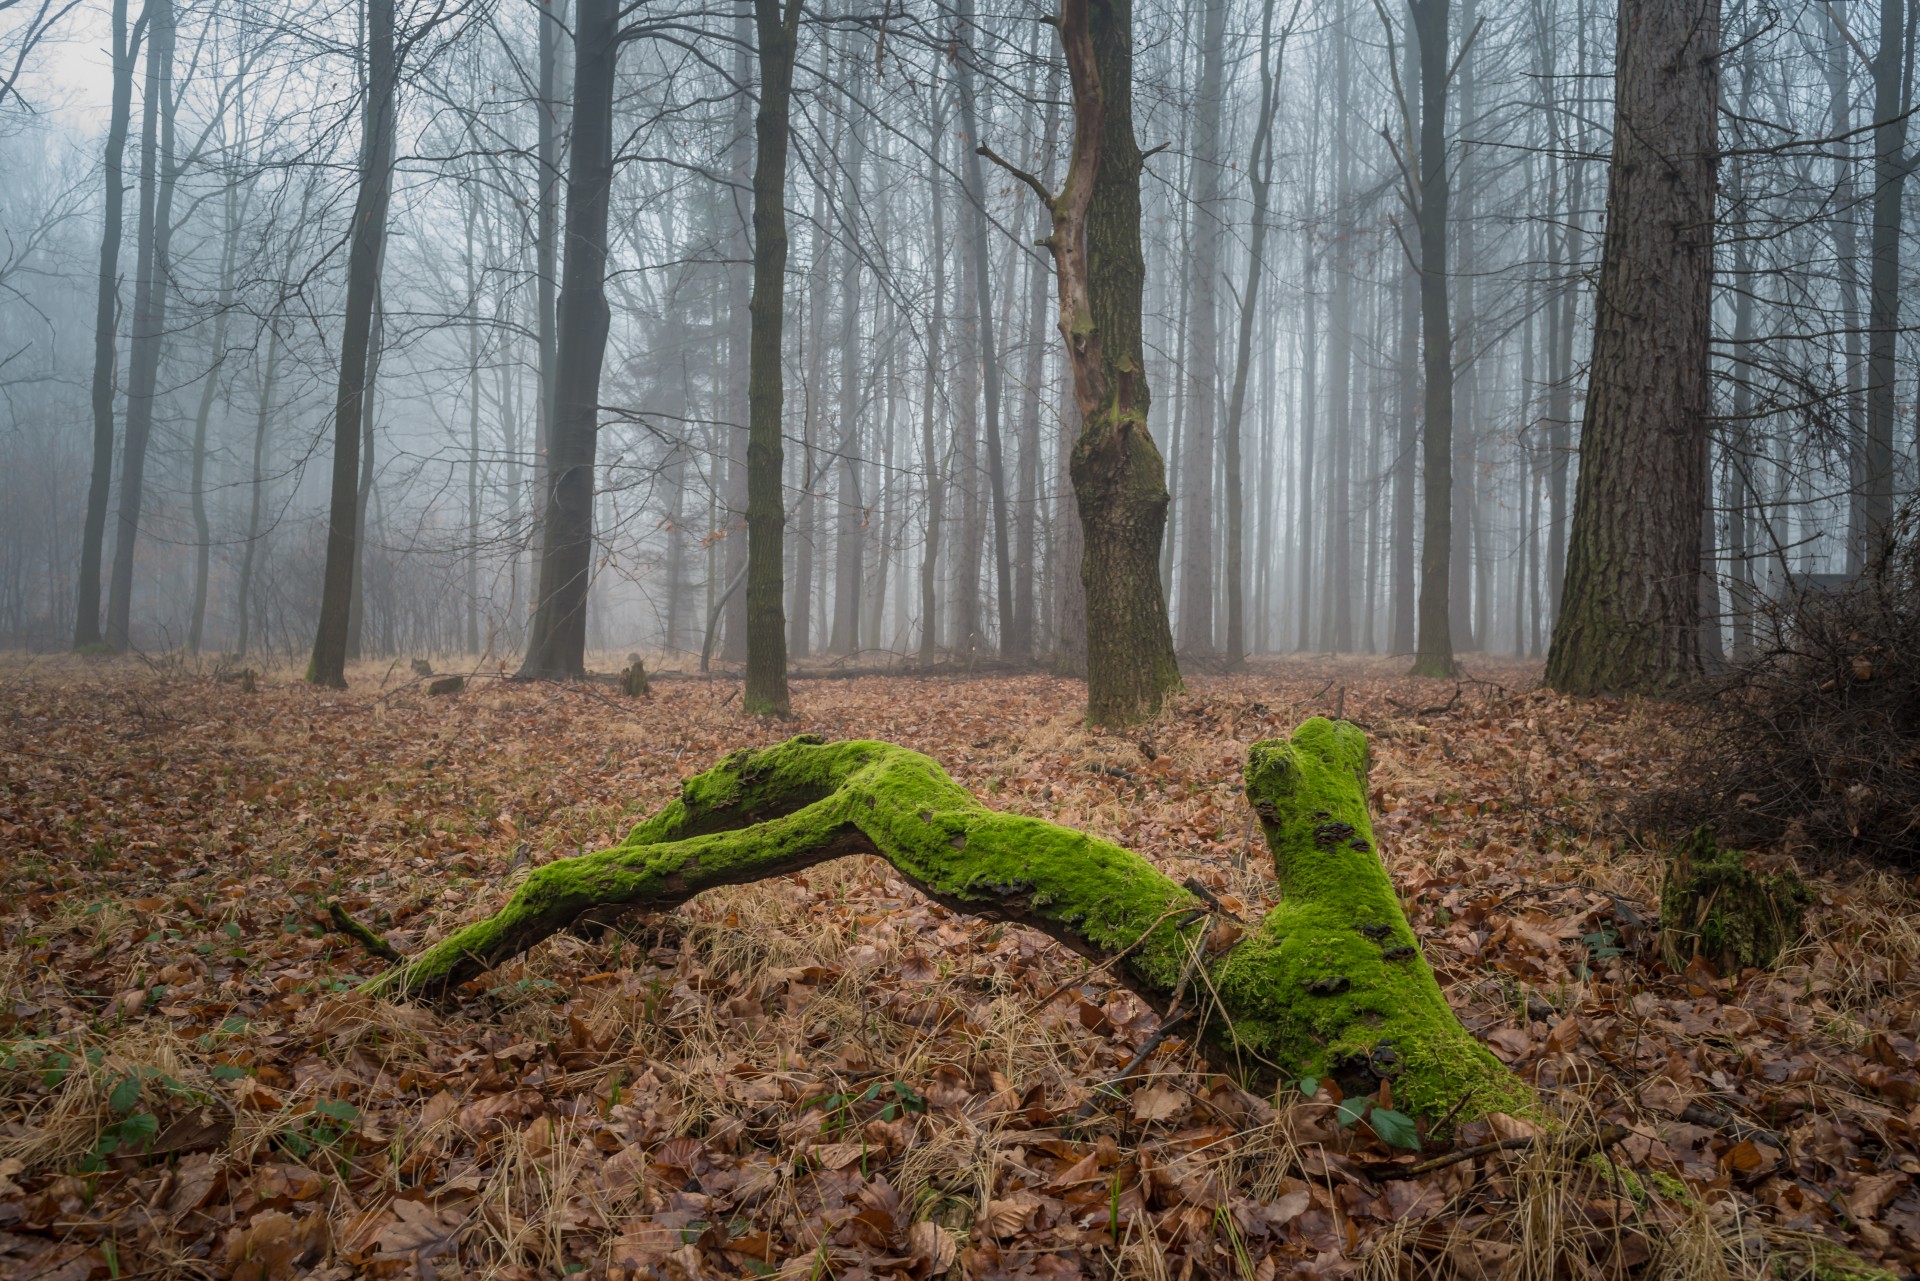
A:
(1330, 984)
(1713, 904)
(1333, 979)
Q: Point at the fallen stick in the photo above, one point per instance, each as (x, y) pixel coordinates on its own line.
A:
(344, 924)
(1606, 1138)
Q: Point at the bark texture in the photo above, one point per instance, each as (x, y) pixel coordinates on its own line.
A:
(766, 691)
(1434, 653)
(557, 640)
(1331, 984)
(1119, 480)
(328, 666)
(86, 628)
(1629, 619)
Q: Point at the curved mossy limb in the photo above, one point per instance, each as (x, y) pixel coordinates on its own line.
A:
(1331, 984)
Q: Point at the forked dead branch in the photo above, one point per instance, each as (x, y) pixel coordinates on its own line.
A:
(1330, 985)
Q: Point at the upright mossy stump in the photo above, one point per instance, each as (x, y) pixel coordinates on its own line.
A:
(1331, 985)
(1713, 904)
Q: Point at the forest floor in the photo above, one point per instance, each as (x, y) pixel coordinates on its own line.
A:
(828, 1076)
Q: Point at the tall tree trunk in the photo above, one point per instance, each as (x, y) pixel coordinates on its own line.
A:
(151, 278)
(1335, 509)
(557, 641)
(1304, 507)
(257, 485)
(126, 50)
(1890, 165)
(471, 557)
(209, 387)
(328, 666)
(551, 20)
(989, 350)
(1260, 171)
(766, 689)
(929, 447)
(363, 493)
(1846, 252)
(1196, 587)
(850, 532)
(1630, 618)
(1118, 477)
(739, 334)
(1434, 647)
(1407, 443)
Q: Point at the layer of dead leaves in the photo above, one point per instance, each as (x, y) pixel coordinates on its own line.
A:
(828, 1076)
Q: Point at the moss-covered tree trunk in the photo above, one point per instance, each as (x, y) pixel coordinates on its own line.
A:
(1119, 480)
(1331, 984)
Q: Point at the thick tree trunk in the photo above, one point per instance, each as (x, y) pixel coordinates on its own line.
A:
(557, 641)
(151, 280)
(329, 662)
(1630, 618)
(766, 689)
(1434, 646)
(1331, 984)
(1119, 480)
(86, 628)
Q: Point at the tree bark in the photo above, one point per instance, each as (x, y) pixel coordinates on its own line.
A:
(1629, 621)
(126, 51)
(1890, 166)
(257, 485)
(1331, 984)
(1260, 173)
(1194, 597)
(1433, 654)
(557, 641)
(546, 246)
(766, 688)
(989, 351)
(329, 661)
(1119, 480)
(151, 278)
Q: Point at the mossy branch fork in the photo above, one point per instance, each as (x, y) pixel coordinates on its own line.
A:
(1330, 984)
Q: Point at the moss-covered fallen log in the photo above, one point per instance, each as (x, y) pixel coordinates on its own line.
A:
(1331, 984)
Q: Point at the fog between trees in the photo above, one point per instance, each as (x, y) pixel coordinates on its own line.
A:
(272, 269)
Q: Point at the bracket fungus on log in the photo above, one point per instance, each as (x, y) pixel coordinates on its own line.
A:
(1331, 984)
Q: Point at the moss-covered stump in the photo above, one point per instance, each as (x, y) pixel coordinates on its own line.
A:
(1713, 904)
(1330, 985)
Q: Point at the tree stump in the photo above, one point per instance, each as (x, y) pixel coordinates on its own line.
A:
(633, 681)
(1714, 905)
(1331, 985)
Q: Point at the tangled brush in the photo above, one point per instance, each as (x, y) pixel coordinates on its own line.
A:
(1814, 740)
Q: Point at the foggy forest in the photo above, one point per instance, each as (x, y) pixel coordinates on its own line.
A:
(843, 639)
